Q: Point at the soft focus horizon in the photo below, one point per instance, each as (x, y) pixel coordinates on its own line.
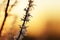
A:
(45, 17)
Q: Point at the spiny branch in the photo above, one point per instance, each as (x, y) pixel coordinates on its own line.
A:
(25, 19)
(6, 14)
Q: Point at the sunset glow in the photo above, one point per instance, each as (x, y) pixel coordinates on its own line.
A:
(42, 12)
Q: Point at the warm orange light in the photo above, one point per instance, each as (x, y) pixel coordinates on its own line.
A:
(41, 13)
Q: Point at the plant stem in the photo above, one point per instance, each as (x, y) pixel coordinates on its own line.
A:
(6, 14)
(25, 19)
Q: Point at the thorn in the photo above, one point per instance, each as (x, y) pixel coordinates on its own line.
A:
(25, 9)
(30, 1)
(28, 14)
(30, 5)
(22, 19)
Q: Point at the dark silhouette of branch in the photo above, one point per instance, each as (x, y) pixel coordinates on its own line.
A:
(6, 14)
(25, 19)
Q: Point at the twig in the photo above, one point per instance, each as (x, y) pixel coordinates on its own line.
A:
(13, 5)
(6, 14)
(25, 19)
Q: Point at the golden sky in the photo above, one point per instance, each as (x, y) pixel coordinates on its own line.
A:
(44, 11)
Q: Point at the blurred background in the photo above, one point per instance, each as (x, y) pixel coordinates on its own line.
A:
(44, 23)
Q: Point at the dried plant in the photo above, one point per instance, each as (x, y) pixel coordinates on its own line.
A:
(25, 19)
(13, 5)
(6, 14)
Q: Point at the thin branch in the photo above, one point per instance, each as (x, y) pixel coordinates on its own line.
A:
(25, 19)
(13, 5)
(6, 14)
